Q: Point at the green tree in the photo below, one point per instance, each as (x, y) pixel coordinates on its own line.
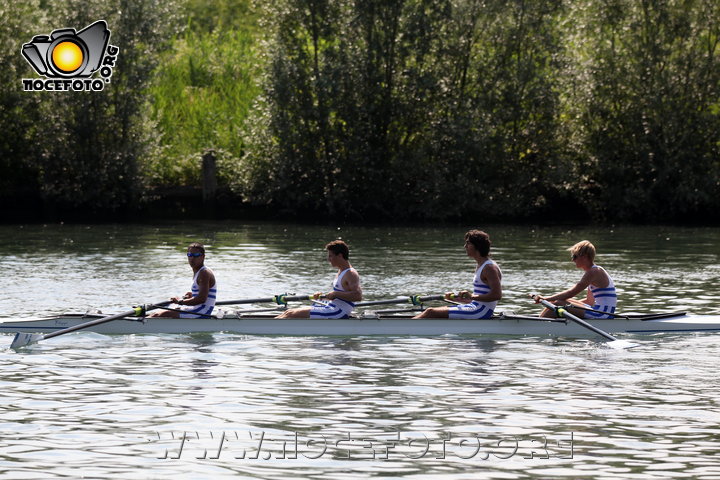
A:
(496, 148)
(19, 111)
(88, 148)
(448, 104)
(646, 108)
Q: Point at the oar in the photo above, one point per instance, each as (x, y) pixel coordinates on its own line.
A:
(284, 298)
(279, 299)
(23, 339)
(417, 299)
(414, 299)
(613, 343)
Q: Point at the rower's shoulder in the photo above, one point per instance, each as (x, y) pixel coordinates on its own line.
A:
(493, 266)
(599, 271)
(206, 272)
(598, 276)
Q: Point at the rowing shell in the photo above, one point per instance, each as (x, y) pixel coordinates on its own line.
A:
(501, 324)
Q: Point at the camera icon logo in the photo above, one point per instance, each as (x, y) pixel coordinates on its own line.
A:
(67, 53)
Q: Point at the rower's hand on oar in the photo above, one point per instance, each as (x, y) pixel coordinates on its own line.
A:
(563, 313)
(184, 297)
(462, 296)
(537, 297)
(318, 296)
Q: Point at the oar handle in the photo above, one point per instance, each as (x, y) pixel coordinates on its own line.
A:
(536, 297)
(551, 306)
(280, 299)
(562, 312)
(285, 298)
(418, 300)
(413, 299)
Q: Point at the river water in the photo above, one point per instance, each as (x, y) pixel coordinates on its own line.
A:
(231, 406)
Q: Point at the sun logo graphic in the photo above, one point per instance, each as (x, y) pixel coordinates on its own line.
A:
(68, 59)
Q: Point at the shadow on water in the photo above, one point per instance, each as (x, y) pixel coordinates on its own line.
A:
(201, 341)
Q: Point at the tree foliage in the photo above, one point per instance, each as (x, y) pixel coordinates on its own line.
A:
(449, 105)
(647, 108)
(19, 113)
(382, 109)
(85, 147)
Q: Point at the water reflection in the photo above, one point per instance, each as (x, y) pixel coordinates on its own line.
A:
(618, 406)
(108, 406)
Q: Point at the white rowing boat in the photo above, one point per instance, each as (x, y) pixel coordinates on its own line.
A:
(370, 324)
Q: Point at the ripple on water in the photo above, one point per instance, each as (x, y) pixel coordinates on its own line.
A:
(120, 406)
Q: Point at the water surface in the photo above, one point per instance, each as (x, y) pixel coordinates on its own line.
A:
(224, 405)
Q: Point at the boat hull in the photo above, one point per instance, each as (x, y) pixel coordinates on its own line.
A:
(389, 325)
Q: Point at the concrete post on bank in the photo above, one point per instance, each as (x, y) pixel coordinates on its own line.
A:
(209, 180)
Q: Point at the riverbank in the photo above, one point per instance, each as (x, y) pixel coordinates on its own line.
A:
(190, 203)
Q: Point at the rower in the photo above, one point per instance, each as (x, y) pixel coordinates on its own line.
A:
(601, 292)
(346, 288)
(487, 287)
(200, 300)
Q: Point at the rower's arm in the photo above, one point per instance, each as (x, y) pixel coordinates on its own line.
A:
(351, 285)
(571, 292)
(492, 279)
(203, 282)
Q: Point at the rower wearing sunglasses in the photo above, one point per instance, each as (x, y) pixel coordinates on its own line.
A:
(601, 299)
(200, 301)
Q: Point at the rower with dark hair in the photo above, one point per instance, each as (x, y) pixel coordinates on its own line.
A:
(346, 288)
(200, 300)
(487, 287)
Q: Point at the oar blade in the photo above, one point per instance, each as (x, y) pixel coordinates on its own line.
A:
(562, 312)
(24, 339)
(621, 344)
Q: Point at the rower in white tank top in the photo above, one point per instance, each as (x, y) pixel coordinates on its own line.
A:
(476, 309)
(205, 309)
(337, 308)
(487, 284)
(195, 303)
(605, 299)
(346, 288)
(596, 282)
